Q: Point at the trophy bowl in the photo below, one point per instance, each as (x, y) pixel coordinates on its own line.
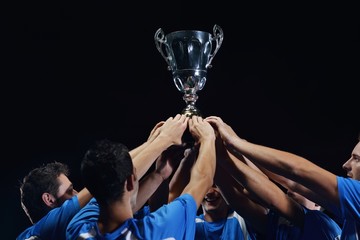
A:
(189, 54)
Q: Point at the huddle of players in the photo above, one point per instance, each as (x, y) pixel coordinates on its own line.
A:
(155, 190)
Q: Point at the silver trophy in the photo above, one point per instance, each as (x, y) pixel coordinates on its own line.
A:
(188, 54)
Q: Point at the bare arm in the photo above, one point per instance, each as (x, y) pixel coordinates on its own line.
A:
(202, 173)
(159, 191)
(232, 192)
(181, 176)
(170, 134)
(153, 134)
(259, 185)
(294, 186)
(284, 163)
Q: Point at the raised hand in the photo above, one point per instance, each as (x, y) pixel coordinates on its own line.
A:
(224, 130)
(169, 160)
(174, 128)
(200, 129)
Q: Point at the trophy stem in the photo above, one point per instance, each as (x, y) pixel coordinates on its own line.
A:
(190, 108)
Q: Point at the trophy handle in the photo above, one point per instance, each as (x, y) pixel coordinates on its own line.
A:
(218, 38)
(160, 42)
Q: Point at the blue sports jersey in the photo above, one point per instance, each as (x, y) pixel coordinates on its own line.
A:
(175, 220)
(317, 225)
(233, 227)
(53, 225)
(349, 195)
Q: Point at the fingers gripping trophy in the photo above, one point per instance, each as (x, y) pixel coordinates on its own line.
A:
(188, 54)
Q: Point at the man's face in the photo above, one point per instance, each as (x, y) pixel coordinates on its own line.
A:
(66, 190)
(352, 166)
(213, 201)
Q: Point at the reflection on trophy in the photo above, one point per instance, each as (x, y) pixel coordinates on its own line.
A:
(188, 54)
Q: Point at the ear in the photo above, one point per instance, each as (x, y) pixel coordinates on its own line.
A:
(49, 200)
(130, 183)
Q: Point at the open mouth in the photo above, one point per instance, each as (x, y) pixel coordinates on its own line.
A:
(211, 199)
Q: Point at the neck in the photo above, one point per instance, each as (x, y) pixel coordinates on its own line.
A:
(215, 216)
(113, 216)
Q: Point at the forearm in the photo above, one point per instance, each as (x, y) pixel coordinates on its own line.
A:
(205, 164)
(160, 196)
(277, 161)
(256, 183)
(148, 185)
(233, 192)
(134, 152)
(321, 184)
(203, 171)
(180, 179)
(145, 158)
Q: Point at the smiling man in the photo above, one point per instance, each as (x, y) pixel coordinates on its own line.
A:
(218, 220)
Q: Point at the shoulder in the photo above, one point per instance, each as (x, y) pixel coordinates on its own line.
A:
(85, 230)
(85, 218)
(186, 198)
(346, 185)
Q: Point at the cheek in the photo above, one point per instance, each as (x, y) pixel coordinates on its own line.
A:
(356, 171)
(65, 197)
(356, 167)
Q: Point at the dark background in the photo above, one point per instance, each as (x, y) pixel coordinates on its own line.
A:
(286, 76)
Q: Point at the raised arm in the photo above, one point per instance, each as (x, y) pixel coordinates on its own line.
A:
(164, 167)
(294, 186)
(259, 185)
(284, 163)
(202, 173)
(153, 134)
(181, 176)
(168, 134)
(233, 193)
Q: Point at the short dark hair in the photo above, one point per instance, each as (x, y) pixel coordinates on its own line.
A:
(105, 168)
(38, 181)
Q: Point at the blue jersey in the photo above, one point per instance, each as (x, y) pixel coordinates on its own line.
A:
(175, 220)
(233, 227)
(317, 225)
(53, 225)
(349, 196)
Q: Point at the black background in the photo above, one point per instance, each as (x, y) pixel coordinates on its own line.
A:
(286, 76)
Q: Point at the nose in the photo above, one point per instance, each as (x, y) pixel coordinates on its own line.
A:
(347, 166)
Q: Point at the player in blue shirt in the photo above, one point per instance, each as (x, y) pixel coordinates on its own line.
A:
(291, 215)
(109, 175)
(50, 201)
(336, 194)
(217, 220)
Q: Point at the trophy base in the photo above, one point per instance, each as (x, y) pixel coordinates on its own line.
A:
(189, 112)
